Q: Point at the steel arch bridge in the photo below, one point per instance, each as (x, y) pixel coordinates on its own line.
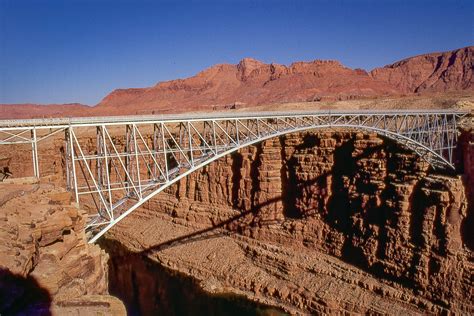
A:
(118, 163)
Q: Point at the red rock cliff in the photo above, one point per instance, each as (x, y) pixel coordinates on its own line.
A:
(436, 72)
(358, 198)
(46, 264)
(351, 197)
(251, 82)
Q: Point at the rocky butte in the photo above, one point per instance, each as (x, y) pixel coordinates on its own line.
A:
(326, 222)
(252, 83)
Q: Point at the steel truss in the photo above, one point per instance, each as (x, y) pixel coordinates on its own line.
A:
(135, 158)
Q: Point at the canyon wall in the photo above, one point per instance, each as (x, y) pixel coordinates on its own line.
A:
(47, 266)
(356, 197)
(466, 151)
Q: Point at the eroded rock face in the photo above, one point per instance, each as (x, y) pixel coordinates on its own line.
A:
(44, 249)
(249, 82)
(297, 213)
(437, 72)
(466, 145)
(356, 197)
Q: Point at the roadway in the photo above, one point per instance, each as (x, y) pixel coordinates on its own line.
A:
(115, 120)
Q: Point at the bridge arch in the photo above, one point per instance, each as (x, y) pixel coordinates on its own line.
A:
(417, 147)
(110, 170)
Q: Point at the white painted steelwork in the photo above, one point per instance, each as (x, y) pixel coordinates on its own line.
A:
(134, 158)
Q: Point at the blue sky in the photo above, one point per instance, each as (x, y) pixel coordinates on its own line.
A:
(80, 50)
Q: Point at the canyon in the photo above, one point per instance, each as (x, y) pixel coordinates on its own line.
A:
(323, 222)
(329, 222)
(319, 222)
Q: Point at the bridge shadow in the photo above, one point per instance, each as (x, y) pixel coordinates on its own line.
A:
(360, 221)
(22, 296)
(236, 224)
(215, 231)
(336, 214)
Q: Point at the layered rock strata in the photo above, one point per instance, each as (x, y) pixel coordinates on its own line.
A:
(358, 201)
(47, 266)
(435, 72)
(314, 223)
(466, 145)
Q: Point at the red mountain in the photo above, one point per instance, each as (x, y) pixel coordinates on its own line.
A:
(436, 72)
(252, 82)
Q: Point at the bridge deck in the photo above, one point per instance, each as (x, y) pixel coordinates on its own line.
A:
(137, 119)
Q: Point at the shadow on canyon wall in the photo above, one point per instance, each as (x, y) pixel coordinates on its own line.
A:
(22, 296)
(337, 213)
(468, 223)
(464, 159)
(340, 210)
(214, 231)
(148, 288)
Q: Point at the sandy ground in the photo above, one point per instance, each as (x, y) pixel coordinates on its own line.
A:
(463, 101)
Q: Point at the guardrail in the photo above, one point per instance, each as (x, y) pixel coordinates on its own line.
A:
(46, 122)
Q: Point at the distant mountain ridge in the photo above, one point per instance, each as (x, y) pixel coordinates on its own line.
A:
(31, 110)
(251, 82)
(435, 72)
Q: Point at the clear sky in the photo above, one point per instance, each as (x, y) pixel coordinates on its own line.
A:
(63, 51)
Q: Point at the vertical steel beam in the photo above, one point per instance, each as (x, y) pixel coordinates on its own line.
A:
(155, 148)
(73, 162)
(34, 150)
(99, 156)
(214, 136)
(107, 172)
(163, 139)
(190, 139)
(67, 159)
(128, 164)
(137, 162)
(237, 131)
